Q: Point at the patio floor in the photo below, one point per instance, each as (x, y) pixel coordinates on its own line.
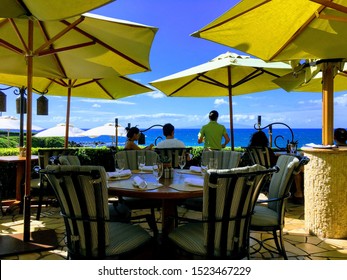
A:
(299, 244)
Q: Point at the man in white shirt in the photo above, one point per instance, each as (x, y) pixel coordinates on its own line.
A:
(170, 141)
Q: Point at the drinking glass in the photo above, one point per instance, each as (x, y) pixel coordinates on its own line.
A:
(141, 161)
(182, 161)
(213, 163)
(293, 148)
(158, 172)
(120, 165)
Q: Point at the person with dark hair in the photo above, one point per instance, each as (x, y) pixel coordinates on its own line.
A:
(133, 135)
(212, 133)
(340, 136)
(170, 141)
(259, 139)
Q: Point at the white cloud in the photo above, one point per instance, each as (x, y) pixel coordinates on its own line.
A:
(221, 101)
(341, 100)
(315, 101)
(156, 94)
(96, 106)
(107, 101)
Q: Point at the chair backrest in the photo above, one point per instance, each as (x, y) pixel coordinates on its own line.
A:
(228, 204)
(259, 155)
(130, 157)
(172, 154)
(281, 182)
(69, 160)
(83, 199)
(46, 154)
(226, 159)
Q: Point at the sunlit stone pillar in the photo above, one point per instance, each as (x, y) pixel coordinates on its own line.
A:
(326, 192)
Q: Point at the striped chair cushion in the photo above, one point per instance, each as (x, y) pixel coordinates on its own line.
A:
(69, 160)
(223, 191)
(260, 155)
(130, 157)
(82, 199)
(226, 159)
(264, 216)
(172, 154)
(190, 237)
(194, 237)
(279, 181)
(125, 237)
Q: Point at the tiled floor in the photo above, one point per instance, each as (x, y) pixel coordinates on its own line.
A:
(299, 244)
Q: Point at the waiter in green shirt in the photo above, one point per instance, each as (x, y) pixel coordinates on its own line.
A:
(212, 133)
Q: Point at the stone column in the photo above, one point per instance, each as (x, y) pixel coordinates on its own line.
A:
(326, 192)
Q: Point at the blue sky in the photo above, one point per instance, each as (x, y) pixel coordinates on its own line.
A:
(174, 50)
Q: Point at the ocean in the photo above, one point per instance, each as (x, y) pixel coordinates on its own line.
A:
(189, 137)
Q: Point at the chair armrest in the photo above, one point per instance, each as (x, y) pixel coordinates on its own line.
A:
(274, 199)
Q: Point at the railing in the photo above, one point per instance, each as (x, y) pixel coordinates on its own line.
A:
(142, 138)
(291, 141)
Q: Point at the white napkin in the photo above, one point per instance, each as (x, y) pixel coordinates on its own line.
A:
(147, 168)
(195, 169)
(139, 182)
(198, 182)
(117, 174)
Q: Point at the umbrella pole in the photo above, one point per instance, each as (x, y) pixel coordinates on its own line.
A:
(328, 104)
(27, 202)
(116, 124)
(67, 125)
(231, 110)
(21, 116)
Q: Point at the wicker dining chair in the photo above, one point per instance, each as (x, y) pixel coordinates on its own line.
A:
(171, 154)
(83, 199)
(223, 232)
(226, 160)
(40, 184)
(269, 214)
(133, 203)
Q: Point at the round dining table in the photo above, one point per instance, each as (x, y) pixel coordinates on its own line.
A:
(171, 192)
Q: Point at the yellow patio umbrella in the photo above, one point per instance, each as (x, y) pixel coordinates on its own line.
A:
(114, 87)
(48, 9)
(279, 30)
(228, 74)
(64, 49)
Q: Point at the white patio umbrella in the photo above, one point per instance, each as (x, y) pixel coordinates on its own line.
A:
(106, 129)
(9, 123)
(59, 131)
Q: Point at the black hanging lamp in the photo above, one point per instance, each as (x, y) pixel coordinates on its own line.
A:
(2, 101)
(42, 106)
(21, 99)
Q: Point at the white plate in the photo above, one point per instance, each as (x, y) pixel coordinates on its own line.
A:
(324, 147)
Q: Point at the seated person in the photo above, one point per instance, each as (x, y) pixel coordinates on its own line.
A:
(170, 141)
(133, 135)
(259, 139)
(340, 136)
